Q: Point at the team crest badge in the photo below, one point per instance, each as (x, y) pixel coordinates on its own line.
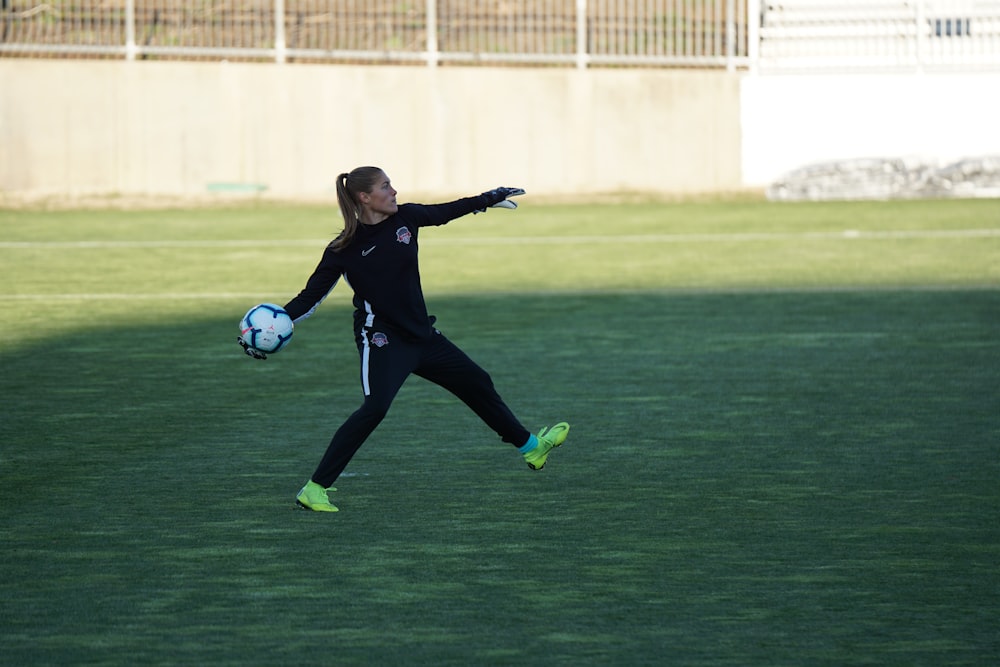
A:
(403, 235)
(379, 339)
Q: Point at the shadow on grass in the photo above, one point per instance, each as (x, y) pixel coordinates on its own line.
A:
(751, 479)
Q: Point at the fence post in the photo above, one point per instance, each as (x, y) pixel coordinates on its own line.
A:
(433, 55)
(753, 35)
(130, 49)
(581, 34)
(730, 35)
(280, 46)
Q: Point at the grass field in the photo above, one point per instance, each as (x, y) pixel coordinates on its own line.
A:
(785, 445)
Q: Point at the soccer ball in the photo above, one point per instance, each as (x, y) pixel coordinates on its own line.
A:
(266, 327)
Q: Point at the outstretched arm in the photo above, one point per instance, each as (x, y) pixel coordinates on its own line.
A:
(439, 214)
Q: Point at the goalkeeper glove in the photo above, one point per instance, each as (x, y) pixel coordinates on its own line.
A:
(250, 351)
(497, 198)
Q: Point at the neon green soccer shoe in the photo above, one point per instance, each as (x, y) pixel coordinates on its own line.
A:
(548, 439)
(313, 497)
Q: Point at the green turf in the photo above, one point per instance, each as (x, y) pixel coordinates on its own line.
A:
(785, 445)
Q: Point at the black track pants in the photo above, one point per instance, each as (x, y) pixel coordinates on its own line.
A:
(386, 361)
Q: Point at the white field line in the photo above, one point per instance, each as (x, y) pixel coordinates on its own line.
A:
(502, 240)
(847, 234)
(106, 245)
(345, 301)
(121, 296)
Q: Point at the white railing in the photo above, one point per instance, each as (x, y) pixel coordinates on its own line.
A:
(911, 35)
(761, 35)
(581, 33)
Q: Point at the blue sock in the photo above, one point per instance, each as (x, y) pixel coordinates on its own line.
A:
(528, 446)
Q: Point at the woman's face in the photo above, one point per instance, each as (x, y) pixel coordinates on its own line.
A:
(382, 199)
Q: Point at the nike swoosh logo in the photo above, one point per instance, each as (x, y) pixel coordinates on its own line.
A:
(364, 253)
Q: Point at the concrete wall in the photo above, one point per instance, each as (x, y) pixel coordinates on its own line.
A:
(174, 128)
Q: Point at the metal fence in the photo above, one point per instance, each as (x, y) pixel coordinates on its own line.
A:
(697, 33)
(782, 35)
(911, 35)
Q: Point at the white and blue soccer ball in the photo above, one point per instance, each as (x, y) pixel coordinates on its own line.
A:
(266, 327)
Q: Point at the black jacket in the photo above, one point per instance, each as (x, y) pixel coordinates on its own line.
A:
(380, 264)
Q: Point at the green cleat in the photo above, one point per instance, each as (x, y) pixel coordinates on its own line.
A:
(313, 497)
(548, 439)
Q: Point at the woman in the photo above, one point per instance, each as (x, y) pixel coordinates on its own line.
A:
(377, 255)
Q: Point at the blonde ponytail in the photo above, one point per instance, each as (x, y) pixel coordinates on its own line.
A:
(349, 185)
